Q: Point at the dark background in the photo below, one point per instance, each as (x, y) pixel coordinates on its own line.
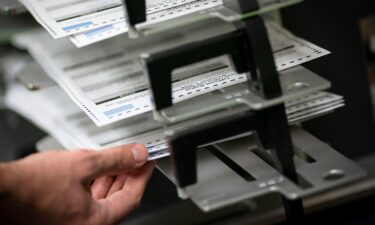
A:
(334, 25)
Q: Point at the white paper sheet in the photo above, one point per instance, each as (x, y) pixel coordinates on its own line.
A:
(108, 85)
(53, 111)
(158, 11)
(66, 17)
(97, 17)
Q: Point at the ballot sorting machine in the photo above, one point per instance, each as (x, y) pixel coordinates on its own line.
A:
(236, 143)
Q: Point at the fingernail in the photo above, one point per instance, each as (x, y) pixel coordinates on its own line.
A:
(140, 153)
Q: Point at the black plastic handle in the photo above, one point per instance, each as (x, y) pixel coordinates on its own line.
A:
(161, 65)
(184, 144)
(248, 48)
(135, 11)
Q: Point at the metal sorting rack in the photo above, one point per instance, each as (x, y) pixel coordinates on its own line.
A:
(224, 12)
(220, 185)
(270, 160)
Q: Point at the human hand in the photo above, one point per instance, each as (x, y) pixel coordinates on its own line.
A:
(83, 187)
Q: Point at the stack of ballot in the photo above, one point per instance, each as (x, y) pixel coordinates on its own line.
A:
(98, 96)
(87, 22)
(53, 111)
(107, 82)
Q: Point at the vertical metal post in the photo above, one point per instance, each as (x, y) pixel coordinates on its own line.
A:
(260, 59)
(283, 153)
(260, 54)
(276, 135)
(135, 13)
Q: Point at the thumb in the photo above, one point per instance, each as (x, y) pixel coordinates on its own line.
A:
(117, 160)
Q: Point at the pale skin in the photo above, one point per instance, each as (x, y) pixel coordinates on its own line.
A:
(75, 188)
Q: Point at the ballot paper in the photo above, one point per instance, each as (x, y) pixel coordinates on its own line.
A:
(65, 17)
(90, 21)
(107, 82)
(50, 108)
(104, 18)
(157, 11)
(313, 105)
